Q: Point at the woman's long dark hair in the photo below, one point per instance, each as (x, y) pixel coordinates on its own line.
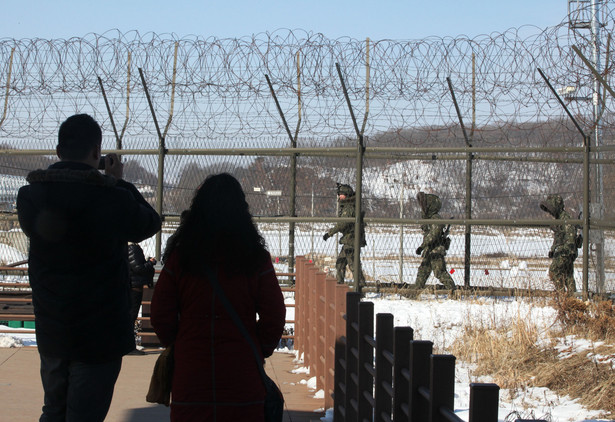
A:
(218, 229)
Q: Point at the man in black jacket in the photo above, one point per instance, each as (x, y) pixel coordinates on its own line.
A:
(79, 222)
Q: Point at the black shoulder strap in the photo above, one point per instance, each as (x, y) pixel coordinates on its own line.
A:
(242, 328)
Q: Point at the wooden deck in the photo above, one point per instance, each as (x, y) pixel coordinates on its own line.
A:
(21, 393)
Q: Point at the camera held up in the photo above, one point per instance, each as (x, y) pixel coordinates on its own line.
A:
(101, 162)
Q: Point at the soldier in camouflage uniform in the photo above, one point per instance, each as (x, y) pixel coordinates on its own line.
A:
(346, 199)
(434, 246)
(564, 248)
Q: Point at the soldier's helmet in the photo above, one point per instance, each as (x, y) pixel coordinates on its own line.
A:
(344, 190)
(554, 205)
(430, 203)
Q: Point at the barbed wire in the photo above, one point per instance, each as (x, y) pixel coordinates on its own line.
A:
(220, 90)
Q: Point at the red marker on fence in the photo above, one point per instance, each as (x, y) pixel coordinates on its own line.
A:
(486, 271)
(452, 271)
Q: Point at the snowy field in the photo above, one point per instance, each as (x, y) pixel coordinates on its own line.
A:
(513, 258)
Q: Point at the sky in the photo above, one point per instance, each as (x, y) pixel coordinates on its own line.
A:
(359, 19)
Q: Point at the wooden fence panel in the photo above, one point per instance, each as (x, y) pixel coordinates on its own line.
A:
(389, 377)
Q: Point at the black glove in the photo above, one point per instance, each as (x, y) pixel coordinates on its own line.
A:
(419, 250)
(550, 254)
(325, 237)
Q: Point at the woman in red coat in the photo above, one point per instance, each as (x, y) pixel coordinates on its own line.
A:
(216, 376)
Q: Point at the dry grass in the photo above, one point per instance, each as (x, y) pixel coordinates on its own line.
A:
(592, 320)
(518, 355)
(583, 377)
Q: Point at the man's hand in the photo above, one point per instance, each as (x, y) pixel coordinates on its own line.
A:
(325, 237)
(114, 166)
(419, 250)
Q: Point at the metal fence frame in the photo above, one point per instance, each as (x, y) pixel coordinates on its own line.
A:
(422, 153)
(582, 154)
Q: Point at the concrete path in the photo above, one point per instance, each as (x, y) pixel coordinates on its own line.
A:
(21, 393)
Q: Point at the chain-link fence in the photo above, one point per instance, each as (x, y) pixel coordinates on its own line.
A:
(213, 110)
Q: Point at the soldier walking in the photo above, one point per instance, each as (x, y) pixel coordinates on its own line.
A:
(565, 244)
(346, 199)
(435, 244)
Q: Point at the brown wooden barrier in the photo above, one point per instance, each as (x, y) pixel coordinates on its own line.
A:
(319, 316)
(383, 376)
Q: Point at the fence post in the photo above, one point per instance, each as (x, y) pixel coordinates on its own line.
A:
(341, 365)
(384, 368)
(321, 331)
(352, 354)
(301, 301)
(484, 399)
(299, 309)
(420, 351)
(441, 386)
(330, 339)
(313, 320)
(401, 375)
(366, 359)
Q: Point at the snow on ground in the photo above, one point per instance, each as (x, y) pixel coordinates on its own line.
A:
(441, 321)
(16, 340)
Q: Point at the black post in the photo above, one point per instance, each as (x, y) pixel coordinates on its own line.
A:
(366, 359)
(118, 140)
(293, 181)
(352, 362)
(484, 399)
(441, 386)
(468, 210)
(384, 367)
(162, 151)
(339, 387)
(357, 270)
(401, 373)
(420, 351)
